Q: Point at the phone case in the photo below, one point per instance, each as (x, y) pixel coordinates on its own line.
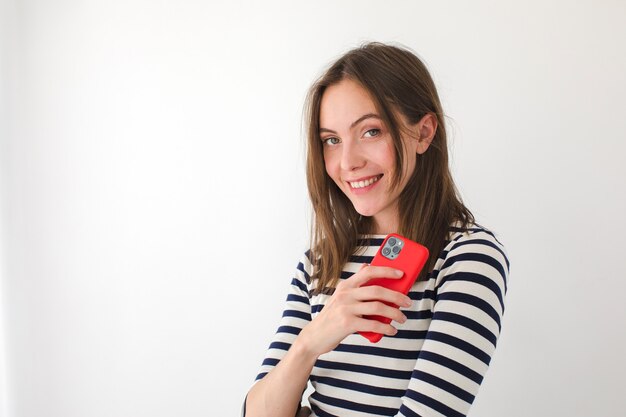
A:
(410, 259)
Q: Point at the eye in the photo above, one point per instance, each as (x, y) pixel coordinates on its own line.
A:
(331, 141)
(372, 133)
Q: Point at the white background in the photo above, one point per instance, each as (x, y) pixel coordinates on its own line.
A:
(154, 204)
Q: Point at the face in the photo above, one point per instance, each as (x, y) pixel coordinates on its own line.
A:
(359, 153)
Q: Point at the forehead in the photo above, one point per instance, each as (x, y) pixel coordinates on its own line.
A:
(343, 103)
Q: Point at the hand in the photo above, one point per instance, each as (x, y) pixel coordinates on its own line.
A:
(343, 313)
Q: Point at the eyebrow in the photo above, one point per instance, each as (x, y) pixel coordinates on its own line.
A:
(356, 122)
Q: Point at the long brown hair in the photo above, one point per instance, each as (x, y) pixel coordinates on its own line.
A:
(400, 85)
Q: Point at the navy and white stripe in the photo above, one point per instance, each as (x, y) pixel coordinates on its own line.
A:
(436, 362)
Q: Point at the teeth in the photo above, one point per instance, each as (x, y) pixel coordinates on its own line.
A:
(361, 184)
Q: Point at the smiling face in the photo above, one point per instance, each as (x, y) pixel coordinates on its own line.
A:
(359, 153)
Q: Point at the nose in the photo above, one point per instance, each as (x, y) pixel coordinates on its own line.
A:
(351, 156)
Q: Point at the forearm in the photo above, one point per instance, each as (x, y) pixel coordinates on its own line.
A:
(279, 392)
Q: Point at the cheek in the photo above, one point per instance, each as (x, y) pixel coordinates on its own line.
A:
(329, 165)
(387, 158)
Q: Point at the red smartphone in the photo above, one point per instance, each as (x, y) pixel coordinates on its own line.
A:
(400, 253)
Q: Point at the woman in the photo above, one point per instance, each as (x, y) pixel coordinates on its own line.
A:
(377, 163)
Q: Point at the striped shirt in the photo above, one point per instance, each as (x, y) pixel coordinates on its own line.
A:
(436, 362)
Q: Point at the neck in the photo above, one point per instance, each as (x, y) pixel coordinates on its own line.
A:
(383, 225)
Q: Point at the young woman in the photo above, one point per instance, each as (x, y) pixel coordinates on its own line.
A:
(377, 163)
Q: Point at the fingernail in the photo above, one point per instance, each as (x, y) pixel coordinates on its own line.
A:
(408, 302)
(399, 273)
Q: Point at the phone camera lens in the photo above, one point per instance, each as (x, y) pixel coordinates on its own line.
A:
(392, 241)
(396, 249)
(386, 251)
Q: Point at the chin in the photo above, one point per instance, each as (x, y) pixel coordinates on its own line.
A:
(365, 211)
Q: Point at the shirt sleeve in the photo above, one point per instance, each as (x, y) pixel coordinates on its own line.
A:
(466, 322)
(296, 315)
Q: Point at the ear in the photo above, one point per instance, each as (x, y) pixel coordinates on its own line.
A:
(425, 131)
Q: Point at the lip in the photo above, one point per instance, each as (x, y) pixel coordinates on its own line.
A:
(362, 178)
(359, 191)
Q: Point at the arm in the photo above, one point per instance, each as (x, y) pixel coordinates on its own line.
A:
(279, 392)
(299, 340)
(465, 326)
(283, 366)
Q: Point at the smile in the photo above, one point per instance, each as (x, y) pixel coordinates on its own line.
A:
(364, 183)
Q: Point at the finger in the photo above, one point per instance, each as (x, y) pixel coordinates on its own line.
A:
(366, 325)
(377, 308)
(376, 292)
(353, 281)
(369, 272)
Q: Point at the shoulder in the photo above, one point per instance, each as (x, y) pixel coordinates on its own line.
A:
(305, 268)
(473, 269)
(475, 239)
(475, 248)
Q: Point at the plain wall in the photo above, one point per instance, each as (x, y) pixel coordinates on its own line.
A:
(154, 205)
